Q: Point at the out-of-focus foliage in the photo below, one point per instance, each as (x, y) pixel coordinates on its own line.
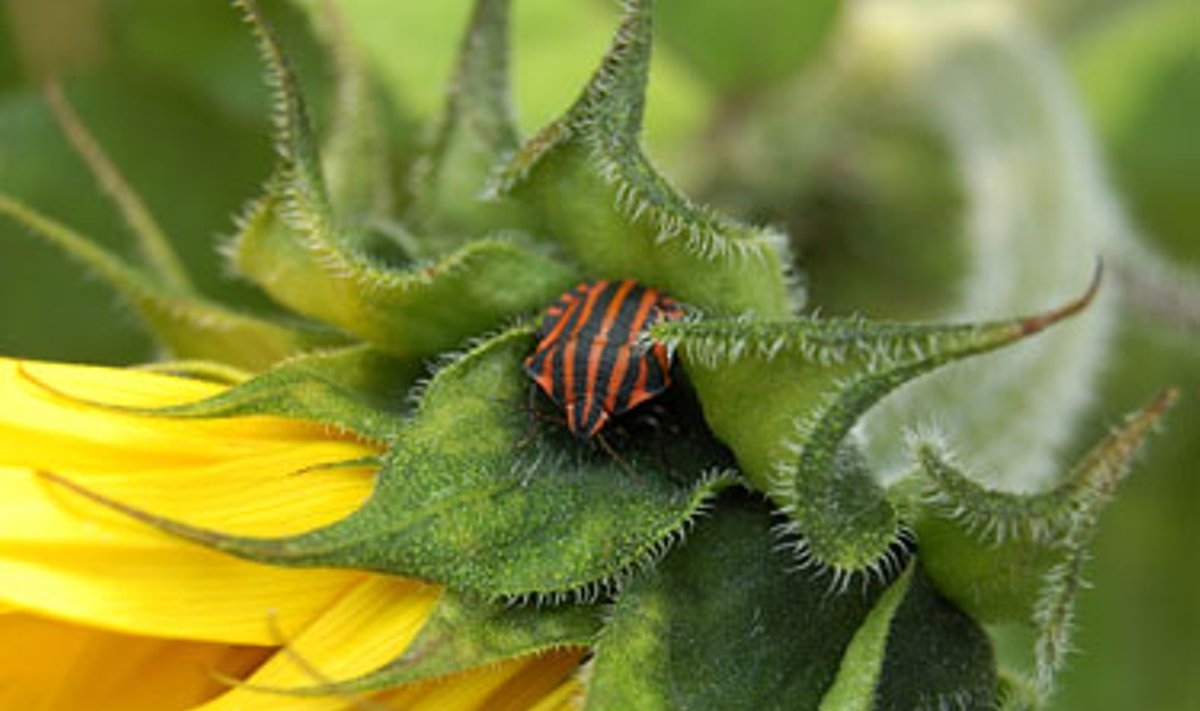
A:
(739, 52)
(1136, 68)
(179, 108)
(1138, 74)
(874, 213)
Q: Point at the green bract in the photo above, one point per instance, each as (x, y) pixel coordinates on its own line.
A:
(737, 547)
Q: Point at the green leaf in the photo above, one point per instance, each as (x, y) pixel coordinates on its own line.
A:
(187, 325)
(555, 45)
(807, 383)
(1015, 693)
(1005, 556)
(299, 179)
(355, 389)
(476, 130)
(356, 152)
(993, 582)
(724, 622)
(155, 247)
(417, 312)
(465, 633)
(600, 199)
(295, 245)
(461, 500)
(858, 672)
(915, 651)
(1100, 471)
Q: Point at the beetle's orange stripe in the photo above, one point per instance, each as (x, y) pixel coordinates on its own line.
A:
(600, 346)
(612, 388)
(589, 305)
(546, 374)
(639, 393)
(660, 353)
(572, 303)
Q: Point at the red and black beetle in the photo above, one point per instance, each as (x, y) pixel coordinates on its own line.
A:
(589, 358)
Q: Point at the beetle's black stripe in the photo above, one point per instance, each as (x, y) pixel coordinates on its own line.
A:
(585, 417)
(624, 355)
(626, 389)
(587, 358)
(591, 341)
(574, 305)
(576, 346)
(656, 378)
(555, 313)
(607, 353)
(535, 362)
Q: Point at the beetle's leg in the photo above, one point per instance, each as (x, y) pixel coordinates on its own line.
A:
(616, 457)
(531, 420)
(534, 415)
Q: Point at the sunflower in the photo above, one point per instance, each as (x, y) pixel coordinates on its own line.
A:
(359, 499)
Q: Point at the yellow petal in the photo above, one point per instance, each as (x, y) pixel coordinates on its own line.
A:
(149, 584)
(509, 686)
(41, 426)
(537, 678)
(258, 495)
(63, 556)
(362, 631)
(48, 665)
(568, 696)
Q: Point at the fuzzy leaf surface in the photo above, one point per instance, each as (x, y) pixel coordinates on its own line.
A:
(725, 622)
(356, 152)
(419, 311)
(992, 551)
(460, 501)
(296, 245)
(807, 382)
(475, 132)
(600, 199)
(357, 389)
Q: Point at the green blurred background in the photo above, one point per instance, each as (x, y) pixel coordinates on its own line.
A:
(173, 91)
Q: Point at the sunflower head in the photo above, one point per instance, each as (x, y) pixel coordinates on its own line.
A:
(548, 433)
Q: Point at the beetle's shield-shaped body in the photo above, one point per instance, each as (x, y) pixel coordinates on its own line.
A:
(589, 358)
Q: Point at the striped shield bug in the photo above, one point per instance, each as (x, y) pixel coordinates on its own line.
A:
(590, 359)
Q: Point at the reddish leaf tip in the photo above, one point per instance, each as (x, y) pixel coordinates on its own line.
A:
(1164, 401)
(1040, 322)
